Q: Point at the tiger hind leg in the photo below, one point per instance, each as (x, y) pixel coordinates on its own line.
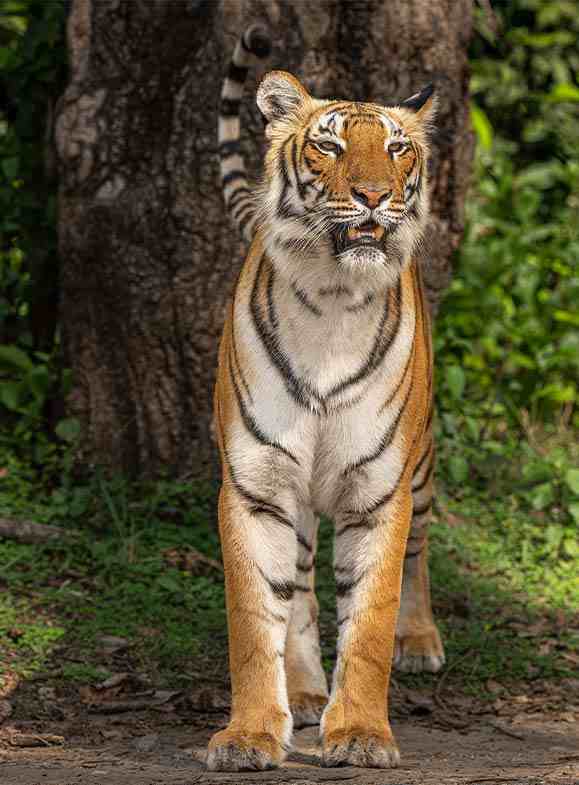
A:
(418, 646)
(306, 680)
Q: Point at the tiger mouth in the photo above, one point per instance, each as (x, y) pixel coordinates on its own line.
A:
(367, 235)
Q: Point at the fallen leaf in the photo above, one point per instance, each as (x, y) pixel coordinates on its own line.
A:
(112, 643)
(113, 681)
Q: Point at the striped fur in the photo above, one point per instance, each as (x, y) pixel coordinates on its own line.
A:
(323, 404)
(253, 46)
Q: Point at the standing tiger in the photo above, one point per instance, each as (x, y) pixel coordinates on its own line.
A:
(323, 404)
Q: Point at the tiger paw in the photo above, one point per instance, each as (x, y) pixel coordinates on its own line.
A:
(357, 747)
(417, 653)
(307, 708)
(237, 751)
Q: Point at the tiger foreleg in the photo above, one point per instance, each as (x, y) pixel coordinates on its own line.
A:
(369, 553)
(306, 680)
(418, 646)
(259, 557)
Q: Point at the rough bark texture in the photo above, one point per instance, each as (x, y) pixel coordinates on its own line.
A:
(148, 258)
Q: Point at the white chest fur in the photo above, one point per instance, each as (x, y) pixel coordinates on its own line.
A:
(323, 353)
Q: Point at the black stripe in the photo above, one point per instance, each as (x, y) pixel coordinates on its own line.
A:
(388, 495)
(382, 343)
(300, 186)
(424, 508)
(240, 210)
(356, 308)
(401, 381)
(268, 337)
(425, 480)
(337, 290)
(259, 43)
(362, 524)
(236, 174)
(425, 455)
(258, 505)
(384, 442)
(227, 149)
(304, 543)
(414, 555)
(244, 221)
(304, 567)
(285, 210)
(237, 73)
(302, 589)
(305, 301)
(237, 363)
(306, 626)
(345, 587)
(267, 510)
(237, 195)
(343, 620)
(229, 107)
(283, 590)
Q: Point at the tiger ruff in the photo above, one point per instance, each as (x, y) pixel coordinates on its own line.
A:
(323, 404)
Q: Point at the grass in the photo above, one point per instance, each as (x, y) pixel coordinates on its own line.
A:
(143, 569)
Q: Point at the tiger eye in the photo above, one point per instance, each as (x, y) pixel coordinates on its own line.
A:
(396, 147)
(329, 147)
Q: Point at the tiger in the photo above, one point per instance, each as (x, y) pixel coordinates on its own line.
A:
(324, 406)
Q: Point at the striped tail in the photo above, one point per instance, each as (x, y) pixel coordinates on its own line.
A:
(253, 46)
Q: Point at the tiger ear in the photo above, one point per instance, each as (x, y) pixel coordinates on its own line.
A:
(423, 103)
(280, 94)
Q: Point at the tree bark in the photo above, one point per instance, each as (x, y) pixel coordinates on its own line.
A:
(148, 256)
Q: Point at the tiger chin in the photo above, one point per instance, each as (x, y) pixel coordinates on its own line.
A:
(323, 405)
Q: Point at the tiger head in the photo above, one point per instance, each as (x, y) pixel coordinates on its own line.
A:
(348, 177)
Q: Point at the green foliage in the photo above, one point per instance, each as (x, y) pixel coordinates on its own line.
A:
(510, 320)
(32, 68)
(507, 343)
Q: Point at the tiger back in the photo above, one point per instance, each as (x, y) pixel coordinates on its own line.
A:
(323, 405)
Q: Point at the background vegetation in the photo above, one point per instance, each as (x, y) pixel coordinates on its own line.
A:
(507, 368)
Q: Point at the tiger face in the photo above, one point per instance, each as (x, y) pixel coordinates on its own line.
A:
(348, 177)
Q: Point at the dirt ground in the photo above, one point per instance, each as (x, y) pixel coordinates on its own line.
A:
(165, 747)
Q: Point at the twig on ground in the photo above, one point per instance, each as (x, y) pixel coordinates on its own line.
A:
(506, 731)
(16, 739)
(30, 532)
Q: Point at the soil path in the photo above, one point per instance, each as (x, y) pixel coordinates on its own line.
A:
(544, 753)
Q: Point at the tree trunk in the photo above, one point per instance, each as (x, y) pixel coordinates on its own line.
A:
(148, 257)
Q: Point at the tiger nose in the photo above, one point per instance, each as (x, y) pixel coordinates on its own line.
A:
(369, 197)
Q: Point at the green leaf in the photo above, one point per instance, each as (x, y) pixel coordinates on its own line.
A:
(10, 395)
(68, 429)
(12, 357)
(574, 511)
(455, 380)
(10, 167)
(563, 93)
(38, 381)
(458, 468)
(537, 471)
(572, 480)
(482, 126)
(542, 496)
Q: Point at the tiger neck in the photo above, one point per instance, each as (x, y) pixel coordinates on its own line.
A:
(315, 271)
(331, 335)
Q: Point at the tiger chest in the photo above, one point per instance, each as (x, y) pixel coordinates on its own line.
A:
(320, 367)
